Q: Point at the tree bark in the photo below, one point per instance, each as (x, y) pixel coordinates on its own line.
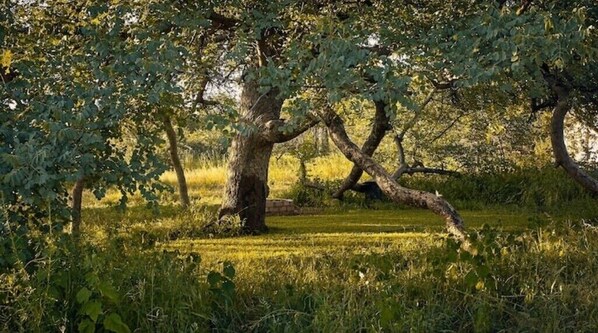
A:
(246, 187)
(557, 137)
(176, 162)
(380, 126)
(390, 187)
(77, 194)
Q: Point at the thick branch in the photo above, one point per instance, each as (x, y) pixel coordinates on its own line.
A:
(200, 98)
(77, 197)
(437, 171)
(392, 189)
(380, 126)
(273, 130)
(557, 138)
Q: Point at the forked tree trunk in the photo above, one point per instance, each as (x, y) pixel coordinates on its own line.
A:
(247, 175)
(77, 195)
(559, 148)
(176, 162)
(390, 187)
(379, 128)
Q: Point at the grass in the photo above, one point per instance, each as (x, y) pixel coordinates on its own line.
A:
(342, 233)
(350, 270)
(347, 269)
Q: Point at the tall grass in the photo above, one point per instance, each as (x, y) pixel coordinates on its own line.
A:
(546, 189)
(357, 271)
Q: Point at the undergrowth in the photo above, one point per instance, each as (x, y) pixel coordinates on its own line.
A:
(320, 280)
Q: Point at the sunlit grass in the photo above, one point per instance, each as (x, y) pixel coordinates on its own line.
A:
(207, 180)
(342, 232)
(346, 269)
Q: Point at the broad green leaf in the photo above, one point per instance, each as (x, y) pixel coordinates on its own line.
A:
(114, 323)
(93, 309)
(86, 326)
(228, 270)
(83, 295)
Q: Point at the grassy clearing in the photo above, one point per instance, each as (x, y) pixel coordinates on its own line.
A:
(348, 269)
(350, 231)
(379, 270)
(205, 181)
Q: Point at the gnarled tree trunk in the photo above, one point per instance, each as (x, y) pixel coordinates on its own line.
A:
(247, 175)
(176, 162)
(557, 138)
(390, 187)
(379, 127)
(246, 187)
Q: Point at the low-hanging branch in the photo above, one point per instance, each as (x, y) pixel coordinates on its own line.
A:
(273, 131)
(391, 188)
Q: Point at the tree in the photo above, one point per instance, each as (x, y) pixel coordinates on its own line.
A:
(543, 49)
(86, 76)
(262, 32)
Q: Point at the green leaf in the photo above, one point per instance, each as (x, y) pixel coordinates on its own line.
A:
(471, 279)
(114, 323)
(86, 326)
(214, 278)
(93, 309)
(108, 291)
(483, 271)
(83, 295)
(228, 270)
(228, 287)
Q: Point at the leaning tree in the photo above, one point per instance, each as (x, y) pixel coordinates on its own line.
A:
(337, 55)
(543, 50)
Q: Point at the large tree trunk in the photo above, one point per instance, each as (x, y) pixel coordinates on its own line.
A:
(76, 206)
(247, 179)
(379, 127)
(176, 162)
(390, 187)
(558, 141)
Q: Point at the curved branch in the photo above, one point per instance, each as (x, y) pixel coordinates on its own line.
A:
(274, 134)
(379, 128)
(176, 161)
(390, 187)
(559, 148)
(404, 168)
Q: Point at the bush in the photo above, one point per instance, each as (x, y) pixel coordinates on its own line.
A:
(539, 189)
(303, 195)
